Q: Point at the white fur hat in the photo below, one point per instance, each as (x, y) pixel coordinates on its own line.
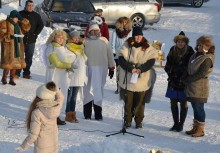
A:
(93, 27)
(74, 34)
(44, 93)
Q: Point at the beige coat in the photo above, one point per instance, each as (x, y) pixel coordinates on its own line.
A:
(8, 59)
(43, 129)
(138, 56)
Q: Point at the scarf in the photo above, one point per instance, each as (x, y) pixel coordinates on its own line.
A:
(17, 40)
(76, 48)
(179, 53)
(143, 44)
(55, 44)
(122, 33)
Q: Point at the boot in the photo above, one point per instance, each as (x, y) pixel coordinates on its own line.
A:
(12, 75)
(183, 114)
(98, 112)
(199, 130)
(4, 77)
(193, 130)
(175, 114)
(87, 110)
(69, 117)
(60, 122)
(75, 120)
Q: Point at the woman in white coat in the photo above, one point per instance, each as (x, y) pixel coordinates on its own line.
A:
(59, 61)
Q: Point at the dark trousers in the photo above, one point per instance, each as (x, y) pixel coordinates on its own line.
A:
(71, 99)
(29, 52)
(199, 111)
(87, 110)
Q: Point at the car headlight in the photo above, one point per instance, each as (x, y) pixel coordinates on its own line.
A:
(60, 26)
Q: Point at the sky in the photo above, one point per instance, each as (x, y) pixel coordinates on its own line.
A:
(90, 135)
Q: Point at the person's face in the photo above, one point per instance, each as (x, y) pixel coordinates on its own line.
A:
(76, 39)
(59, 39)
(180, 44)
(30, 7)
(15, 20)
(138, 38)
(202, 48)
(94, 32)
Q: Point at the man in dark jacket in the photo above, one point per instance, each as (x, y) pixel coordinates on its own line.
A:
(30, 37)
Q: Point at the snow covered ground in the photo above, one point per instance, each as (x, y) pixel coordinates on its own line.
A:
(90, 136)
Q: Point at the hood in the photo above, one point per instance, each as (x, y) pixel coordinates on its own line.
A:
(50, 111)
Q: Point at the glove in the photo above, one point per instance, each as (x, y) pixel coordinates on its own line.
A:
(111, 73)
(20, 149)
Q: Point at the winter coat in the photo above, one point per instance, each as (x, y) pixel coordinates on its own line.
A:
(176, 65)
(197, 82)
(8, 59)
(60, 60)
(43, 128)
(36, 26)
(142, 59)
(100, 58)
(78, 78)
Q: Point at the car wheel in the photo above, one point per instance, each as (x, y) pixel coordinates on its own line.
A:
(160, 2)
(197, 3)
(138, 20)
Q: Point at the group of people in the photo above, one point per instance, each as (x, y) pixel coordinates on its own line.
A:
(75, 64)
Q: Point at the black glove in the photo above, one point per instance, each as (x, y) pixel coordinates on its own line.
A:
(111, 73)
(12, 36)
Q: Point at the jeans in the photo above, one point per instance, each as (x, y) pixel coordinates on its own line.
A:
(199, 111)
(29, 52)
(71, 99)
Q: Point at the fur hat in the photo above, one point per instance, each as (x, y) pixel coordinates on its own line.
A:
(15, 14)
(119, 23)
(137, 31)
(94, 27)
(74, 34)
(25, 24)
(44, 93)
(182, 37)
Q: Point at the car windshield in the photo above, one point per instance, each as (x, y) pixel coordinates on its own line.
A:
(72, 6)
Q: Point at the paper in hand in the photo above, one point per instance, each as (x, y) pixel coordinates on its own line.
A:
(134, 78)
(17, 35)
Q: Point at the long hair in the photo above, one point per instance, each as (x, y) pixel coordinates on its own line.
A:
(57, 32)
(51, 86)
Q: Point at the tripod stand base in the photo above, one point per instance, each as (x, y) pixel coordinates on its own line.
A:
(123, 131)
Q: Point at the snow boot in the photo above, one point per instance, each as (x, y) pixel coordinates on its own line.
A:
(98, 112)
(199, 130)
(183, 114)
(60, 122)
(4, 77)
(193, 130)
(12, 75)
(175, 114)
(87, 110)
(69, 117)
(75, 120)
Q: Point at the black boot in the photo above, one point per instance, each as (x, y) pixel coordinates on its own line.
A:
(98, 112)
(12, 75)
(60, 122)
(4, 77)
(183, 114)
(175, 114)
(87, 110)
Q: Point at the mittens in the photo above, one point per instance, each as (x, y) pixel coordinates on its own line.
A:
(111, 73)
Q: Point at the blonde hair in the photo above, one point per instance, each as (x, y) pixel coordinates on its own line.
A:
(57, 33)
(51, 86)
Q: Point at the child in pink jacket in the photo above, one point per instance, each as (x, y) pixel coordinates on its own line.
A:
(42, 120)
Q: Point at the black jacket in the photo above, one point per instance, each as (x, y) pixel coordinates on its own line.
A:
(175, 67)
(36, 26)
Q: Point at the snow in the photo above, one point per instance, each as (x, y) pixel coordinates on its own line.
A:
(90, 136)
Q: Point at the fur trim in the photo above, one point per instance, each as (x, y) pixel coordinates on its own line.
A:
(144, 42)
(25, 25)
(181, 37)
(119, 23)
(44, 93)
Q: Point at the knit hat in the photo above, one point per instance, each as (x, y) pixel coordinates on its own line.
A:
(15, 14)
(137, 31)
(182, 37)
(74, 34)
(94, 27)
(44, 93)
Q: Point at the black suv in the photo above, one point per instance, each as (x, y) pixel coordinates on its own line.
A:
(66, 14)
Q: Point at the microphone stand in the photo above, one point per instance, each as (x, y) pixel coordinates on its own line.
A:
(123, 130)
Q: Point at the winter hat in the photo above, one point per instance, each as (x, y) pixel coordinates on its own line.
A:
(137, 31)
(74, 34)
(94, 27)
(44, 93)
(182, 37)
(98, 12)
(15, 14)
